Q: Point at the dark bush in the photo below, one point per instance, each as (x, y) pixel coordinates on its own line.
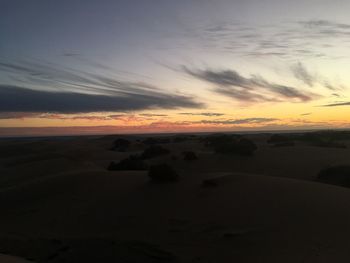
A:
(190, 156)
(339, 135)
(133, 162)
(162, 173)
(120, 144)
(328, 135)
(154, 151)
(241, 146)
(338, 175)
(328, 139)
(215, 140)
(230, 144)
(246, 146)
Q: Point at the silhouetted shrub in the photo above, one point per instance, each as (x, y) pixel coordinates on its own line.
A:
(120, 144)
(326, 139)
(339, 135)
(162, 173)
(338, 175)
(329, 135)
(311, 137)
(246, 146)
(241, 146)
(154, 151)
(189, 156)
(215, 140)
(133, 162)
(230, 144)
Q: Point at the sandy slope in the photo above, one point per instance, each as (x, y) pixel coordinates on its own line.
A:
(12, 259)
(77, 211)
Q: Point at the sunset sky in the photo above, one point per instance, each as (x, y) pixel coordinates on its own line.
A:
(111, 66)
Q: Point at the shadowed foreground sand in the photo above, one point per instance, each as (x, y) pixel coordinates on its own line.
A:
(60, 204)
(12, 259)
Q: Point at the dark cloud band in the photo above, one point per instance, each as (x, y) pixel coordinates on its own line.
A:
(337, 104)
(241, 121)
(253, 89)
(18, 99)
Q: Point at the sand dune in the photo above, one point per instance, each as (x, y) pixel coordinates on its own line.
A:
(12, 259)
(82, 212)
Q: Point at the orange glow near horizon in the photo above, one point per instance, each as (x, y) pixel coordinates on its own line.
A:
(280, 117)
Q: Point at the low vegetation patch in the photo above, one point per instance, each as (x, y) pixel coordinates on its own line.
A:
(120, 145)
(162, 173)
(234, 145)
(338, 175)
(154, 151)
(189, 156)
(327, 139)
(214, 140)
(133, 163)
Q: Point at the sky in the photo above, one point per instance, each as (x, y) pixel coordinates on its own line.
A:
(146, 66)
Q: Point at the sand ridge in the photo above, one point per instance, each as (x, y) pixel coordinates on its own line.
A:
(82, 211)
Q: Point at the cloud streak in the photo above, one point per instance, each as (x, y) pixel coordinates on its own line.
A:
(240, 121)
(252, 89)
(286, 40)
(347, 103)
(301, 73)
(19, 99)
(45, 87)
(208, 114)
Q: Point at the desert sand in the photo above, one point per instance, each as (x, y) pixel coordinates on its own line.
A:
(59, 203)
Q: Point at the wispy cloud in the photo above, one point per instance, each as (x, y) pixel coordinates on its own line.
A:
(44, 87)
(286, 40)
(18, 99)
(301, 73)
(324, 24)
(121, 118)
(248, 89)
(336, 104)
(17, 115)
(153, 115)
(208, 114)
(241, 121)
